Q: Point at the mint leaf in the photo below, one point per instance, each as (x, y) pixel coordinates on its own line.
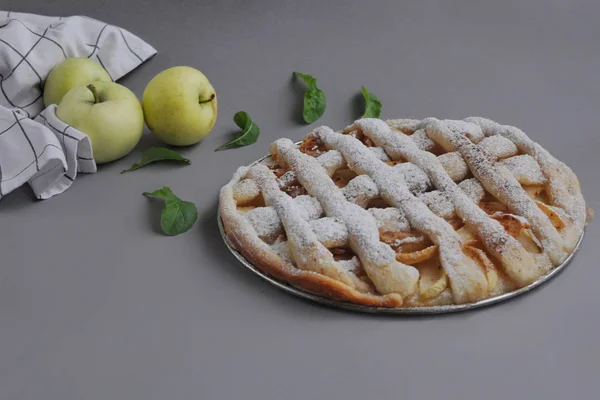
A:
(309, 80)
(177, 216)
(314, 105)
(162, 194)
(155, 154)
(315, 100)
(372, 104)
(248, 135)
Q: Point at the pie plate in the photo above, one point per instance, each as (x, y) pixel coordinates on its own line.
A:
(387, 310)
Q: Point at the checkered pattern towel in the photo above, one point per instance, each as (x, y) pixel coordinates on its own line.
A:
(35, 146)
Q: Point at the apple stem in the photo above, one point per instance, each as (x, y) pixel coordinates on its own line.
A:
(211, 98)
(94, 92)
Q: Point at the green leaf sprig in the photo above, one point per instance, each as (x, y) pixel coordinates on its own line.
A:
(156, 154)
(177, 216)
(248, 135)
(372, 104)
(315, 100)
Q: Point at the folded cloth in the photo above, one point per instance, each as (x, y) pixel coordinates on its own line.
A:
(35, 146)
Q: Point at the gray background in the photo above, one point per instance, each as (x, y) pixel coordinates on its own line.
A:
(96, 304)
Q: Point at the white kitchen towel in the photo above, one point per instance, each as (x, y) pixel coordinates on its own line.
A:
(35, 146)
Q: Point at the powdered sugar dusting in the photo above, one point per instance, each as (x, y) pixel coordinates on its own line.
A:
(282, 249)
(409, 240)
(330, 232)
(305, 248)
(351, 265)
(525, 169)
(378, 259)
(308, 206)
(501, 183)
(331, 161)
(467, 279)
(265, 222)
(473, 189)
(414, 177)
(498, 147)
(442, 204)
(454, 165)
(380, 153)
(422, 140)
(490, 231)
(390, 219)
(244, 191)
(563, 185)
(361, 190)
(439, 202)
(469, 130)
(405, 125)
(500, 157)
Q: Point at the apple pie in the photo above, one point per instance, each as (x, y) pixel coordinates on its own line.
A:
(406, 213)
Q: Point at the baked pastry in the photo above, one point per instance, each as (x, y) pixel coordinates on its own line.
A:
(406, 213)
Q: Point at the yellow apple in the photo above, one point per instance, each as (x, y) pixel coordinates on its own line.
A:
(70, 73)
(180, 106)
(109, 113)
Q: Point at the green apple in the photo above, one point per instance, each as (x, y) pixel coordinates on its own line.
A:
(70, 73)
(180, 106)
(108, 113)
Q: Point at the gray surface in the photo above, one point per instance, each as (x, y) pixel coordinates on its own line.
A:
(95, 304)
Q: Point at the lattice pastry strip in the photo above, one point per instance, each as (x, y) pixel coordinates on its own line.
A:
(561, 183)
(517, 262)
(378, 259)
(496, 146)
(563, 186)
(308, 253)
(467, 280)
(501, 184)
(361, 190)
(276, 259)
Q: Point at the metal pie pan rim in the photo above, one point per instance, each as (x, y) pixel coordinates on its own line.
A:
(391, 310)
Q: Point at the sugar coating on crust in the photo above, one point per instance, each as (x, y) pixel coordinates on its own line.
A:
(481, 161)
